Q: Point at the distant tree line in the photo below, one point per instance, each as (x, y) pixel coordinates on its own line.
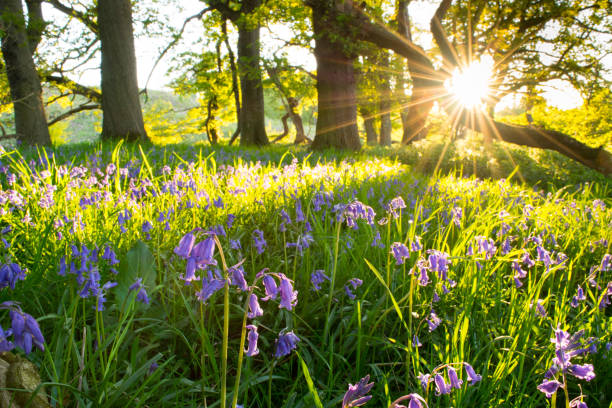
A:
(368, 64)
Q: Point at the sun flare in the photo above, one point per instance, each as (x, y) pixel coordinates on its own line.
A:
(471, 85)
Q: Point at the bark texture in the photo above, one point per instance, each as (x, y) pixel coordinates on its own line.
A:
(26, 92)
(336, 83)
(252, 118)
(122, 114)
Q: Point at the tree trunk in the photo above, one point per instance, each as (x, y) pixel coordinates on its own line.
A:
(122, 114)
(336, 87)
(384, 98)
(26, 92)
(371, 136)
(252, 119)
(211, 122)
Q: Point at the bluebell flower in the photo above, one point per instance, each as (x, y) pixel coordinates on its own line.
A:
(549, 387)
(185, 245)
(203, 252)
(441, 386)
(317, 278)
(424, 379)
(414, 401)
(209, 287)
(286, 343)
(287, 294)
(438, 262)
(434, 321)
(236, 274)
(259, 241)
(299, 214)
(141, 295)
(606, 263)
(10, 274)
(254, 309)
(356, 396)
(101, 296)
(235, 244)
(110, 256)
(5, 344)
(457, 215)
(400, 252)
(270, 287)
(583, 372)
(472, 376)
(355, 283)
(454, 380)
(252, 338)
(486, 246)
(26, 331)
(544, 256)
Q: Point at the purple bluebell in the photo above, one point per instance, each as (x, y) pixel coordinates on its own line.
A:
(10, 274)
(441, 386)
(606, 263)
(203, 252)
(433, 321)
(355, 283)
(356, 396)
(252, 338)
(544, 256)
(209, 287)
(438, 262)
(270, 287)
(299, 214)
(578, 403)
(486, 246)
(424, 379)
(259, 241)
(101, 295)
(414, 401)
(317, 278)
(185, 245)
(5, 344)
(472, 376)
(400, 252)
(540, 310)
(236, 274)
(141, 295)
(286, 343)
(457, 215)
(549, 387)
(254, 309)
(235, 244)
(26, 331)
(190, 270)
(583, 372)
(288, 296)
(454, 380)
(415, 245)
(578, 298)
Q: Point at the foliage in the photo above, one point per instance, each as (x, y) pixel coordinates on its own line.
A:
(63, 206)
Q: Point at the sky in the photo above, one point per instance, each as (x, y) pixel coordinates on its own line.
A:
(557, 93)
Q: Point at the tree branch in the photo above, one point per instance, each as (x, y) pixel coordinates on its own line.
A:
(71, 112)
(79, 15)
(78, 89)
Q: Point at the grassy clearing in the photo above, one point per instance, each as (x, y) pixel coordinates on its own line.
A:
(375, 315)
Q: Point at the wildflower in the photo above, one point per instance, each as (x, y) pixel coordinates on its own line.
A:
(252, 338)
(583, 372)
(285, 343)
(203, 252)
(441, 386)
(270, 287)
(10, 274)
(549, 387)
(434, 321)
(414, 401)
(110, 256)
(235, 244)
(377, 242)
(579, 297)
(236, 274)
(141, 295)
(254, 309)
(259, 241)
(287, 294)
(540, 310)
(415, 245)
(606, 263)
(356, 394)
(317, 278)
(424, 380)
(185, 245)
(146, 228)
(299, 214)
(472, 376)
(209, 287)
(544, 256)
(26, 331)
(400, 252)
(5, 344)
(457, 215)
(355, 283)
(438, 262)
(455, 382)
(486, 246)
(578, 403)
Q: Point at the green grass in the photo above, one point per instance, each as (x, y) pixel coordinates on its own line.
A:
(104, 358)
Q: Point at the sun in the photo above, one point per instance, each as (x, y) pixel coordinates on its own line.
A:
(471, 85)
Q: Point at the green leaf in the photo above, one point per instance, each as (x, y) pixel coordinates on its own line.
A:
(138, 263)
(311, 387)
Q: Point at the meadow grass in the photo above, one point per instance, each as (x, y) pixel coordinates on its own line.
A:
(424, 272)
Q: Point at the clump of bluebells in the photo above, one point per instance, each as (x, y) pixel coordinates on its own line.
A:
(567, 347)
